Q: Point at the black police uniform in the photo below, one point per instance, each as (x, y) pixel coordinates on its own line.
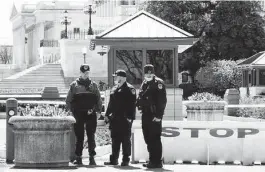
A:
(83, 96)
(120, 108)
(152, 102)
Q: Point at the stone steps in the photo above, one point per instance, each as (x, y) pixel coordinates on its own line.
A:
(27, 80)
(49, 75)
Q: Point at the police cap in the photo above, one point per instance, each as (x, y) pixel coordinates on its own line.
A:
(120, 73)
(84, 68)
(149, 69)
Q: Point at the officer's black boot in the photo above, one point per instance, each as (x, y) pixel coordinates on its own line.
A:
(78, 160)
(125, 161)
(112, 161)
(153, 165)
(92, 161)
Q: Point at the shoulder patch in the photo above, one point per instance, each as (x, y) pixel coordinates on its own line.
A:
(133, 91)
(129, 85)
(160, 86)
(94, 83)
(74, 83)
(159, 80)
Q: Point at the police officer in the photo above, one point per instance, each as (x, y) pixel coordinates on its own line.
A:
(152, 102)
(121, 113)
(84, 101)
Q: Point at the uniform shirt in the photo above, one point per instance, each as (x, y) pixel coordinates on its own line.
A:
(122, 102)
(77, 88)
(153, 95)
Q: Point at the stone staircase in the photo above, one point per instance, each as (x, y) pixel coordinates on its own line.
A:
(48, 75)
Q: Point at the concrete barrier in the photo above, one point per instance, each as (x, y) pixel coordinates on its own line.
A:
(207, 142)
(205, 110)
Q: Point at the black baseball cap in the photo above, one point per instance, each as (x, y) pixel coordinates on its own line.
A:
(120, 73)
(84, 68)
(149, 69)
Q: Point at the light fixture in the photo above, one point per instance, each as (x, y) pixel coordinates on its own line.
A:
(84, 50)
(103, 50)
(11, 112)
(65, 14)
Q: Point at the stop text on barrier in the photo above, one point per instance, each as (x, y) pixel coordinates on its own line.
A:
(241, 132)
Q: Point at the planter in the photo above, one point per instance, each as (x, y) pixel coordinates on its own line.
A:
(42, 141)
(205, 110)
(232, 97)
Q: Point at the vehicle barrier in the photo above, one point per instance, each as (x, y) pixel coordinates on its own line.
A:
(206, 142)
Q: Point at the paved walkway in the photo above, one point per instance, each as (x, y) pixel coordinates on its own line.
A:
(138, 167)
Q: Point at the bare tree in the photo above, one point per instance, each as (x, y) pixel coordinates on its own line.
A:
(6, 54)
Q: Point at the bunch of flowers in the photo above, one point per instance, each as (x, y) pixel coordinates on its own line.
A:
(28, 91)
(42, 110)
(21, 90)
(204, 96)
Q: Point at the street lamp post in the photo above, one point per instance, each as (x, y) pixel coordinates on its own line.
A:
(65, 22)
(84, 51)
(88, 10)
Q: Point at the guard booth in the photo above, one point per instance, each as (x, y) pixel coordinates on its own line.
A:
(253, 75)
(146, 39)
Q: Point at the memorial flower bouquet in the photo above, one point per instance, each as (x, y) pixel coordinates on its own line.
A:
(42, 110)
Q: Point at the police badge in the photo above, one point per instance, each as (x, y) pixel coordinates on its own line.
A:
(133, 91)
(86, 67)
(160, 86)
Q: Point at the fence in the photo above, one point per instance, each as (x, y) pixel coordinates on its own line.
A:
(51, 59)
(79, 34)
(49, 43)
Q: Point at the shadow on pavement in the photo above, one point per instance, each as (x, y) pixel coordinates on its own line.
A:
(58, 168)
(157, 169)
(93, 166)
(70, 167)
(126, 168)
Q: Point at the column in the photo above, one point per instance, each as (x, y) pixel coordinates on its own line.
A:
(41, 31)
(176, 68)
(26, 51)
(38, 35)
(243, 78)
(57, 30)
(14, 56)
(257, 76)
(30, 46)
(21, 48)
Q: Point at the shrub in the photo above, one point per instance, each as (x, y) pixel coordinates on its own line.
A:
(217, 76)
(253, 112)
(251, 100)
(102, 137)
(205, 96)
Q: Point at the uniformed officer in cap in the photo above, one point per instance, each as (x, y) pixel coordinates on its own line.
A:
(152, 102)
(84, 101)
(121, 113)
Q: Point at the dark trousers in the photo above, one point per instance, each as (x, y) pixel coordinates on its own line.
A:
(121, 135)
(152, 136)
(90, 121)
